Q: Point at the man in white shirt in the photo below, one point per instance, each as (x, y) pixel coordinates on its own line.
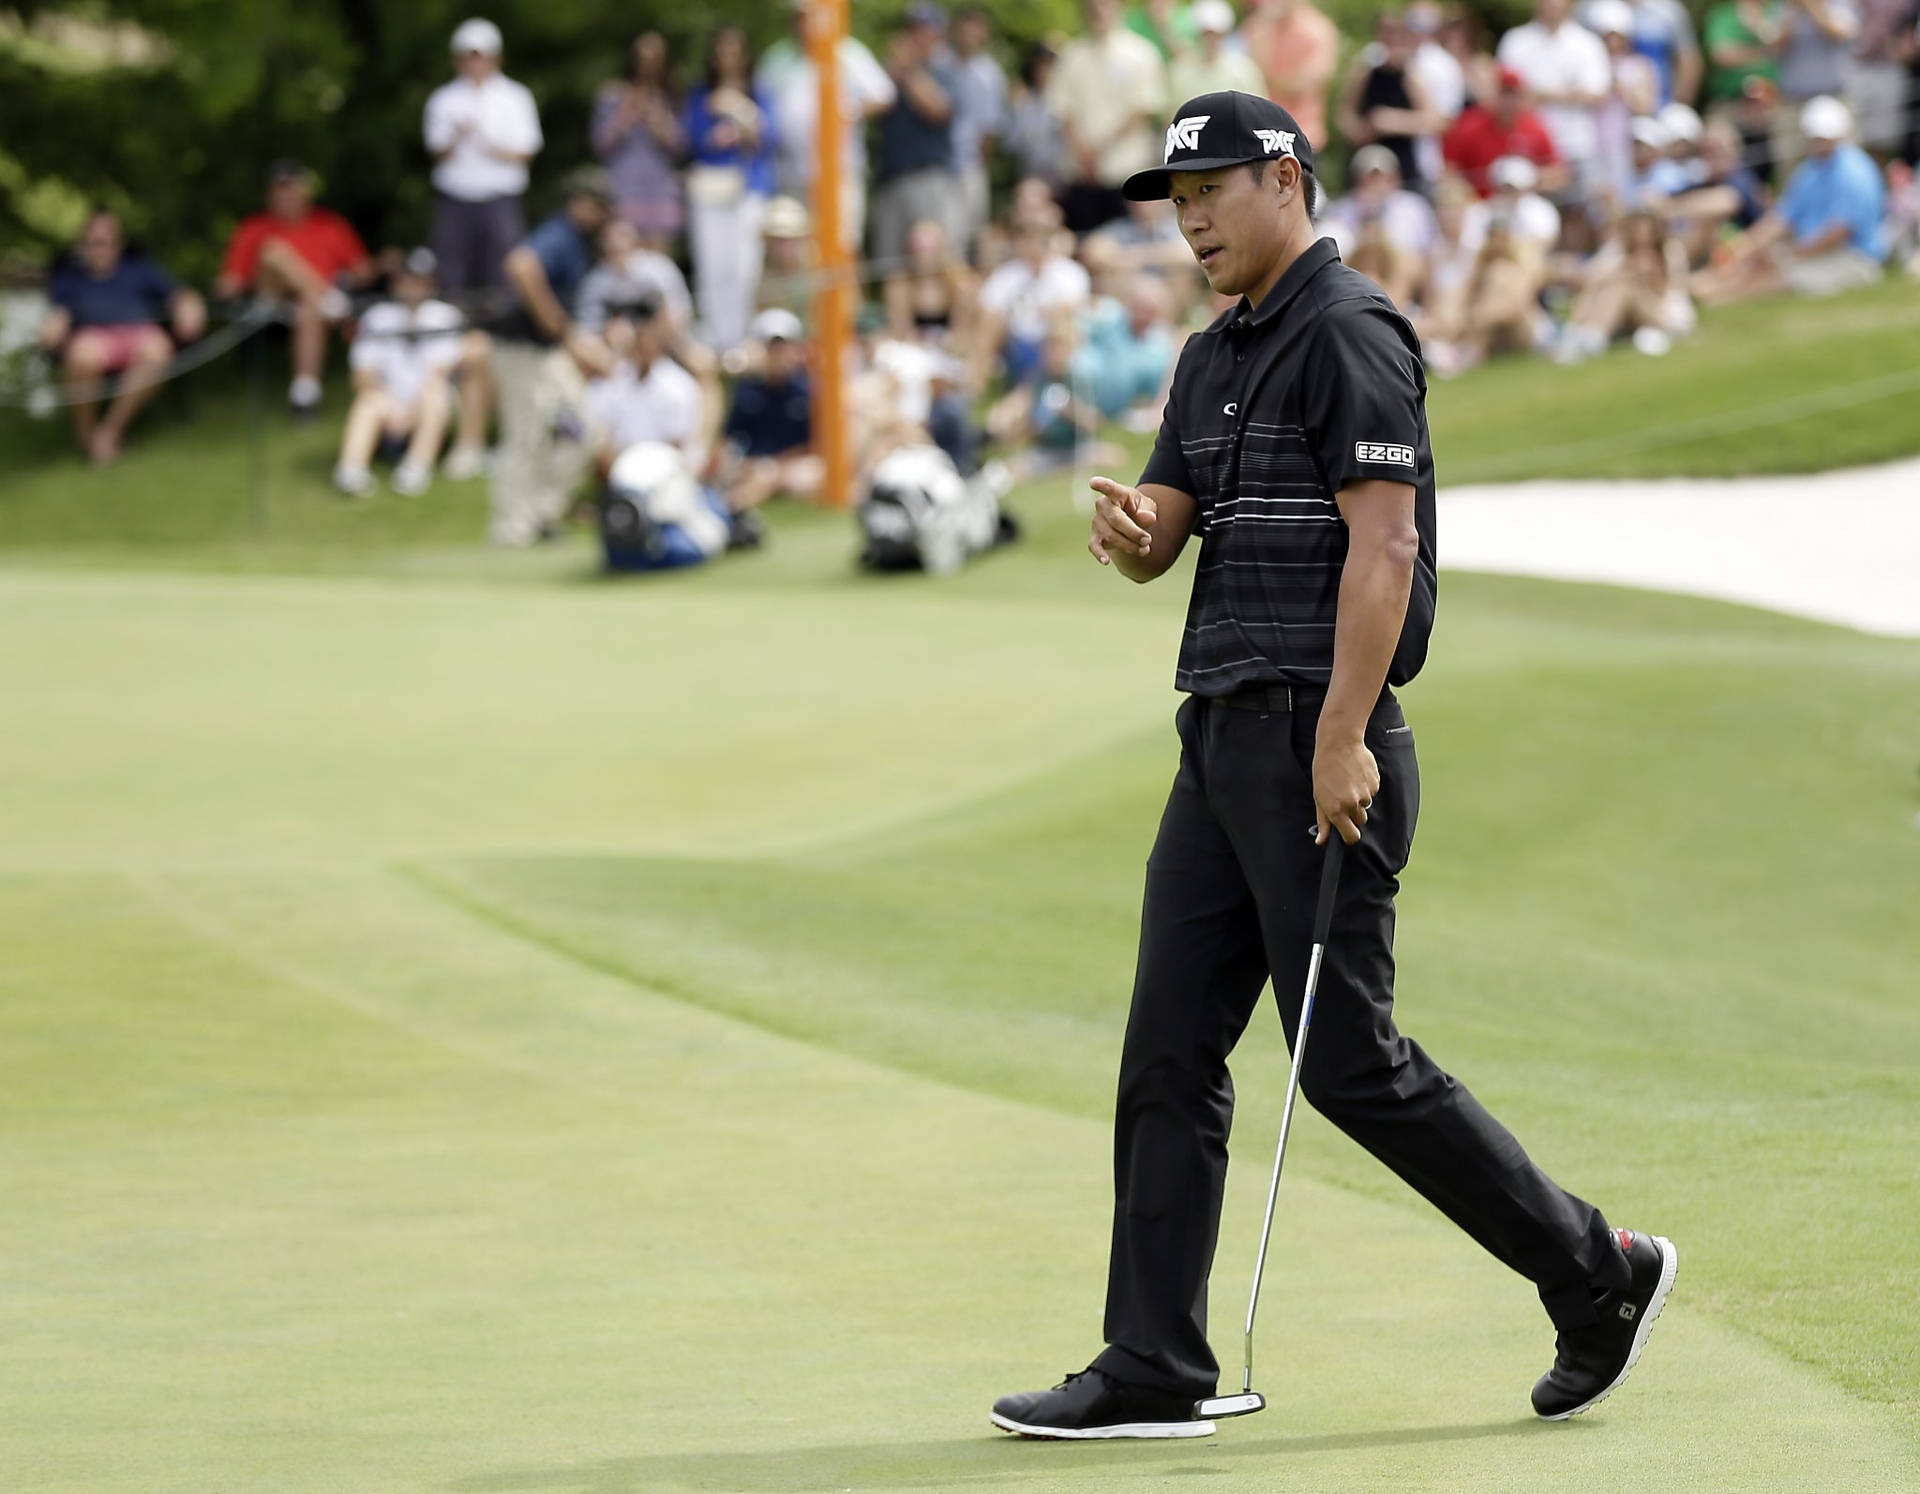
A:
(786, 73)
(481, 130)
(1567, 71)
(403, 359)
(647, 397)
(1021, 297)
(1109, 92)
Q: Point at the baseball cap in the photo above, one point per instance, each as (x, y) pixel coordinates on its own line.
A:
(786, 218)
(1610, 16)
(476, 36)
(1371, 158)
(1221, 129)
(1682, 122)
(588, 181)
(1214, 17)
(926, 13)
(1423, 18)
(1514, 173)
(1511, 80)
(1825, 118)
(287, 169)
(1650, 132)
(776, 324)
(421, 262)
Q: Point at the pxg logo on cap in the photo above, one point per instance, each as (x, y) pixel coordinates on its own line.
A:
(1217, 130)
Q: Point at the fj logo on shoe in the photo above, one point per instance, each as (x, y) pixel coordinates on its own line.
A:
(1627, 1311)
(1184, 134)
(1383, 451)
(1275, 140)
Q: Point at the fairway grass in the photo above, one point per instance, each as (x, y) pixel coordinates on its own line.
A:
(562, 1037)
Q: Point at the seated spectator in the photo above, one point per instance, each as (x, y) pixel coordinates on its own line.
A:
(303, 256)
(636, 132)
(1460, 225)
(1686, 129)
(1826, 235)
(1484, 133)
(1500, 310)
(907, 394)
(482, 129)
(1382, 230)
(1385, 102)
(1729, 191)
(1124, 365)
(1148, 241)
(110, 313)
(788, 280)
(1210, 65)
(1019, 298)
(769, 431)
(647, 396)
(403, 358)
(1533, 222)
(1049, 418)
(1636, 284)
(1656, 178)
(934, 297)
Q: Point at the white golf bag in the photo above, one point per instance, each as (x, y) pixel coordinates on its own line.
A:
(655, 514)
(919, 511)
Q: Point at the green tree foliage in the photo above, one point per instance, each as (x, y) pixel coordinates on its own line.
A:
(173, 124)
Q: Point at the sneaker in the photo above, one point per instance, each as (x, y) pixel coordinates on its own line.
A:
(465, 463)
(410, 481)
(303, 397)
(746, 530)
(1590, 1362)
(352, 482)
(1092, 1404)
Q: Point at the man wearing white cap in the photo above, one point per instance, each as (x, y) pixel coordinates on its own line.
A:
(482, 129)
(1828, 232)
(1212, 66)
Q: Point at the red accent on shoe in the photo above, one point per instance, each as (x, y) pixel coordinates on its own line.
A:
(1626, 1239)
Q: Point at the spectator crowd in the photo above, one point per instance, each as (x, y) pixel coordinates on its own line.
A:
(1593, 174)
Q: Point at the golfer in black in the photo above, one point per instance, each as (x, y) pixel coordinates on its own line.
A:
(1295, 443)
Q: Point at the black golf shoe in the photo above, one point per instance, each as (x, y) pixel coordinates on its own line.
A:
(1590, 1362)
(1094, 1404)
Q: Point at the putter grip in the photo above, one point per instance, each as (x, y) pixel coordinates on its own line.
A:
(1329, 885)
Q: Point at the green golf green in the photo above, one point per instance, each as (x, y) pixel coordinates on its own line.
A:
(560, 1037)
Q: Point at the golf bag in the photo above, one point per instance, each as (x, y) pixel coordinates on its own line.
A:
(654, 514)
(920, 512)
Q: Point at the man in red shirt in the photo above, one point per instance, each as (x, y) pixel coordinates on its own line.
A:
(305, 256)
(1483, 134)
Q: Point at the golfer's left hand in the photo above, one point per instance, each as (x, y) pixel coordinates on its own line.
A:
(1345, 779)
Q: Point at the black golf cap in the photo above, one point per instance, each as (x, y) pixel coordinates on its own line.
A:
(1222, 129)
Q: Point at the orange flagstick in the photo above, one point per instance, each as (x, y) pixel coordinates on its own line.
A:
(832, 303)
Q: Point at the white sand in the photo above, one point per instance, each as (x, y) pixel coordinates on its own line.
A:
(1841, 547)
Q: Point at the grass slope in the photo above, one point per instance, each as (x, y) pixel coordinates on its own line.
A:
(581, 1038)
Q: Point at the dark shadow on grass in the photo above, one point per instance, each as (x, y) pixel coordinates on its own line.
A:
(955, 1462)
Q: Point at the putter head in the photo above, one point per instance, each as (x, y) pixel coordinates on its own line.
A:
(1217, 1406)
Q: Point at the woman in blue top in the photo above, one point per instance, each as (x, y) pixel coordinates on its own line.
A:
(729, 133)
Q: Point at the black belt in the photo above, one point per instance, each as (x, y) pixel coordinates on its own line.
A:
(1272, 700)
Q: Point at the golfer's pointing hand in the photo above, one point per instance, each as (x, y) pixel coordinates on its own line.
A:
(1121, 518)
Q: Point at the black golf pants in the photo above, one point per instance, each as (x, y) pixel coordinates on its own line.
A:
(1229, 902)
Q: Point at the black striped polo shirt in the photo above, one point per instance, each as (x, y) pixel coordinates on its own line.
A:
(1273, 411)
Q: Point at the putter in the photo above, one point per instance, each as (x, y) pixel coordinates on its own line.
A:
(1250, 1400)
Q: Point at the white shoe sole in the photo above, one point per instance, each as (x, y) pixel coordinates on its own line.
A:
(1140, 1429)
(1669, 1268)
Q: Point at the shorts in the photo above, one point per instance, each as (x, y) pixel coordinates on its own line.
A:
(119, 344)
(1831, 273)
